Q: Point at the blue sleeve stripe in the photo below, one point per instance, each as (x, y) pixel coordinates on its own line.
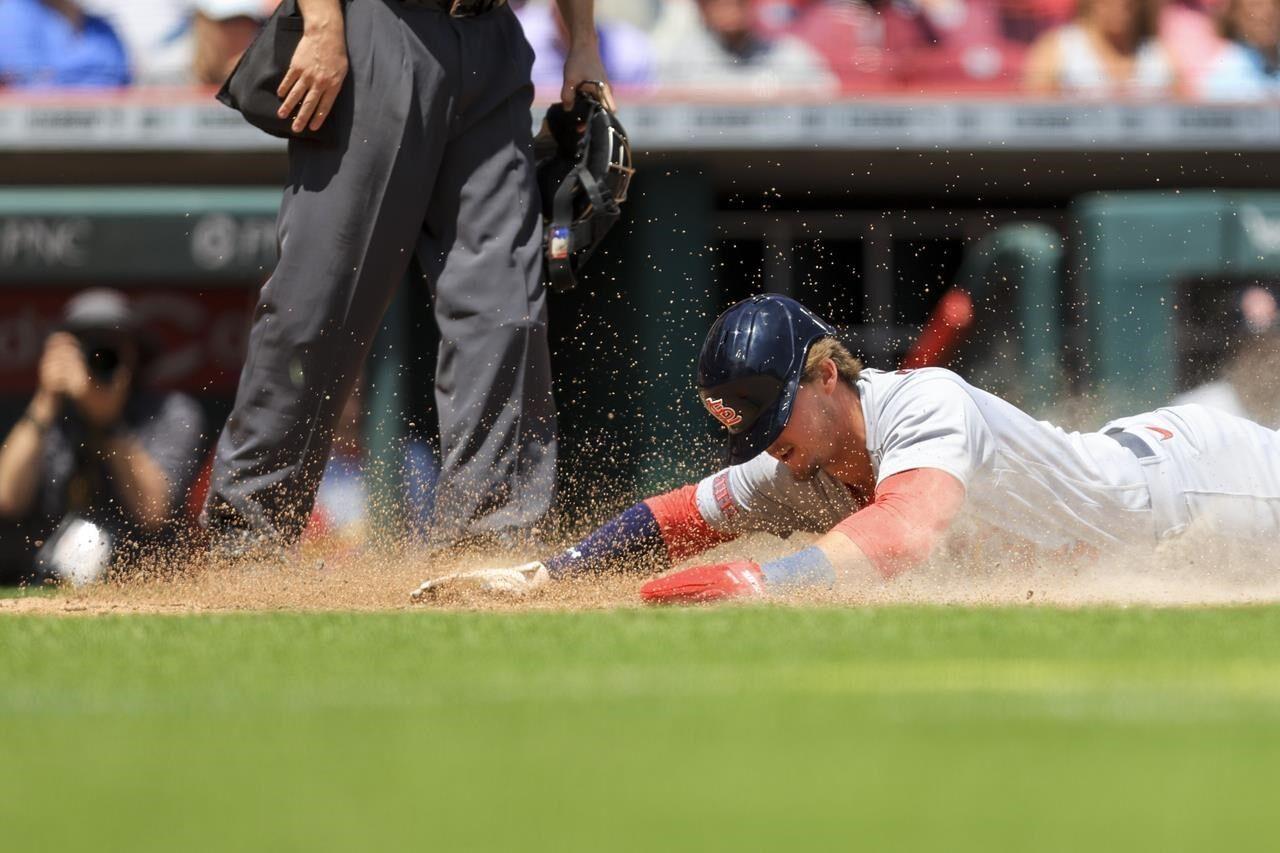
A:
(627, 541)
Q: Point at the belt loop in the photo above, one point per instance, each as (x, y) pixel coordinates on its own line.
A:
(1130, 442)
(1168, 508)
(1169, 512)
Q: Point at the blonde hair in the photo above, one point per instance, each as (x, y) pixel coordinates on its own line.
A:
(847, 366)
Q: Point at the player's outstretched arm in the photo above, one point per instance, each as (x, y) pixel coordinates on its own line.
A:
(651, 535)
(898, 530)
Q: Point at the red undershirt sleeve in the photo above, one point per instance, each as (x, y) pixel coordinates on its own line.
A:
(684, 531)
(910, 513)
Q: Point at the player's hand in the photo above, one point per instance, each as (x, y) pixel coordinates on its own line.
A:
(315, 74)
(739, 579)
(584, 68)
(506, 583)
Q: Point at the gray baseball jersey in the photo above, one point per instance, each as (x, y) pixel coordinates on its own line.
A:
(1037, 483)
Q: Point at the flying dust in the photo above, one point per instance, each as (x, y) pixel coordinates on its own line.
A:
(1190, 571)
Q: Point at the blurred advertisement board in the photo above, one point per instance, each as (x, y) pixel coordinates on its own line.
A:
(200, 334)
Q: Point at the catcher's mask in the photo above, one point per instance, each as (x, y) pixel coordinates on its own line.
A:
(584, 169)
(751, 365)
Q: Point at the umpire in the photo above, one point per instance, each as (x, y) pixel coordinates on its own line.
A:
(431, 101)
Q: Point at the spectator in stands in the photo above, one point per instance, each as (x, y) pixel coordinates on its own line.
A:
(720, 47)
(94, 450)
(181, 42)
(624, 48)
(1191, 40)
(642, 14)
(1024, 21)
(221, 30)
(874, 43)
(1248, 68)
(1110, 49)
(55, 43)
(851, 36)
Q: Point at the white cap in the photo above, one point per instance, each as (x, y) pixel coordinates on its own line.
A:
(220, 10)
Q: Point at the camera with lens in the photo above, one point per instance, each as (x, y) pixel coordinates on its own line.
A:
(102, 358)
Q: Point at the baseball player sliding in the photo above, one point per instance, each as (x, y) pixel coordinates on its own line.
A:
(882, 464)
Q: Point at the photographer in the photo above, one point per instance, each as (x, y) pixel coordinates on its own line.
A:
(93, 452)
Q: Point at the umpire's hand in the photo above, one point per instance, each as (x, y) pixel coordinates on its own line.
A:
(582, 69)
(582, 65)
(318, 68)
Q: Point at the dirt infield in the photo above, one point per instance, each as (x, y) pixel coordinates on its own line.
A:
(1181, 573)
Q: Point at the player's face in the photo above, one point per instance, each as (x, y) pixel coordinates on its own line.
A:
(811, 441)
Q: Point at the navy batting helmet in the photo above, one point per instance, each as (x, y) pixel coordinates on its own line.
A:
(751, 365)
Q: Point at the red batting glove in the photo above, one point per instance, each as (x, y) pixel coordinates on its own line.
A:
(739, 579)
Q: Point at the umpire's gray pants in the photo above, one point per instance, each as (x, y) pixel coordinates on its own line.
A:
(435, 159)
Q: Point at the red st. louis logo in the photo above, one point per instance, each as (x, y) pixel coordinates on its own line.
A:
(727, 415)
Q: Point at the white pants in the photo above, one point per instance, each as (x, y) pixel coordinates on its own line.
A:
(1210, 470)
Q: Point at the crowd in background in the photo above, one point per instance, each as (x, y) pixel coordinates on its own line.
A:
(1221, 50)
(111, 43)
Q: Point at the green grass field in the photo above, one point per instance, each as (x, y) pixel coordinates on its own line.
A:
(742, 729)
